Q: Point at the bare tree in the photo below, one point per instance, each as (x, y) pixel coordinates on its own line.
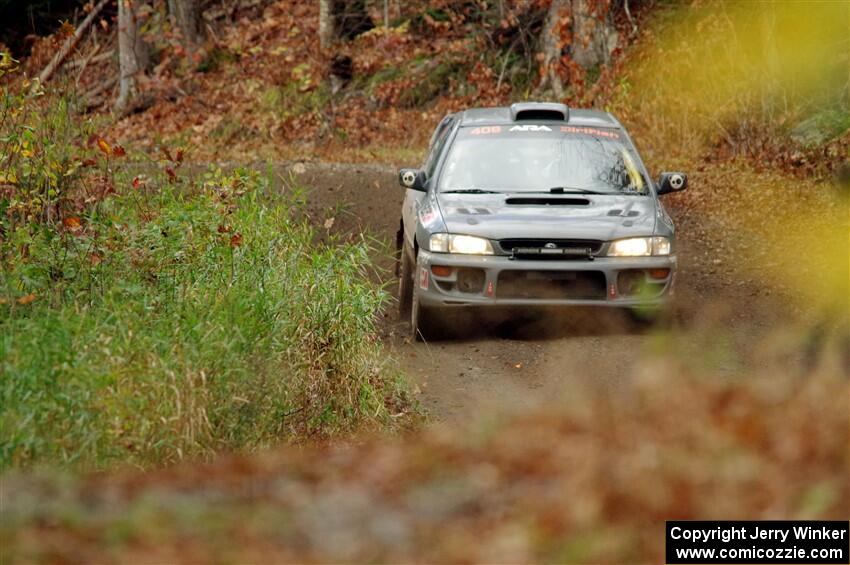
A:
(351, 18)
(71, 43)
(326, 23)
(132, 54)
(186, 15)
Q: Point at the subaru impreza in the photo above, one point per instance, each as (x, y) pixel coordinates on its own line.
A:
(535, 204)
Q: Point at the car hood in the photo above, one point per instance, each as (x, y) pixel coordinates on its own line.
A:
(498, 216)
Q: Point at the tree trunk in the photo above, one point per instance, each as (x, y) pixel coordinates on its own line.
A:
(590, 36)
(186, 16)
(594, 35)
(326, 23)
(551, 45)
(132, 55)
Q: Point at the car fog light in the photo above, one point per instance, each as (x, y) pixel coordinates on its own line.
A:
(470, 280)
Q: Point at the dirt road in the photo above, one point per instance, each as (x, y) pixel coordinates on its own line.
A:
(491, 364)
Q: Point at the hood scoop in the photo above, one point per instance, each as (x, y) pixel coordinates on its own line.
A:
(546, 201)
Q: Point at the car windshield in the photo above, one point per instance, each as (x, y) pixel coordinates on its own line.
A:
(540, 158)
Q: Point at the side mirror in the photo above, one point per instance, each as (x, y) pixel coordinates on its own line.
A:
(672, 182)
(414, 179)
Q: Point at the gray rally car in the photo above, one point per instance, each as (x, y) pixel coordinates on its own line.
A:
(536, 204)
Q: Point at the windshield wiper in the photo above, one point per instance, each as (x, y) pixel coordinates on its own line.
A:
(471, 191)
(568, 189)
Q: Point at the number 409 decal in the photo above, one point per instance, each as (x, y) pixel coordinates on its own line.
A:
(486, 130)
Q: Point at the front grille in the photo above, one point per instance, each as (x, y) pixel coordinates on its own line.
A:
(560, 249)
(551, 284)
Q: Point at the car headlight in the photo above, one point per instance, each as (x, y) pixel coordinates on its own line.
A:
(465, 244)
(639, 247)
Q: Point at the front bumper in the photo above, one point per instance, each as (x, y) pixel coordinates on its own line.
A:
(494, 280)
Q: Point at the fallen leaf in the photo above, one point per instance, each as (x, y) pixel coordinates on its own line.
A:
(236, 240)
(28, 299)
(66, 29)
(329, 223)
(104, 147)
(72, 223)
(95, 259)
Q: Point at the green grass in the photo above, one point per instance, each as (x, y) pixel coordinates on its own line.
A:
(301, 95)
(435, 80)
(211, 322)
(822, 126)
(214, 60)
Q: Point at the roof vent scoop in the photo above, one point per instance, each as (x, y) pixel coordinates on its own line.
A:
(539, 111)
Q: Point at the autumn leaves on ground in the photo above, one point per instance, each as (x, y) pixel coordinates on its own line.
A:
(157, 316)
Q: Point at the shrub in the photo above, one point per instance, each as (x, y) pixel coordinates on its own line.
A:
(168, 325)
(40, 150)
(148, 320)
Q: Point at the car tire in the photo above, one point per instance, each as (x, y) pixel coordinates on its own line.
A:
(423, 320)
(405, 285)
(423, 324)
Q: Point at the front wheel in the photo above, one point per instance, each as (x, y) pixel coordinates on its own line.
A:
(405, 285)
(423, 320)
(423, 323)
